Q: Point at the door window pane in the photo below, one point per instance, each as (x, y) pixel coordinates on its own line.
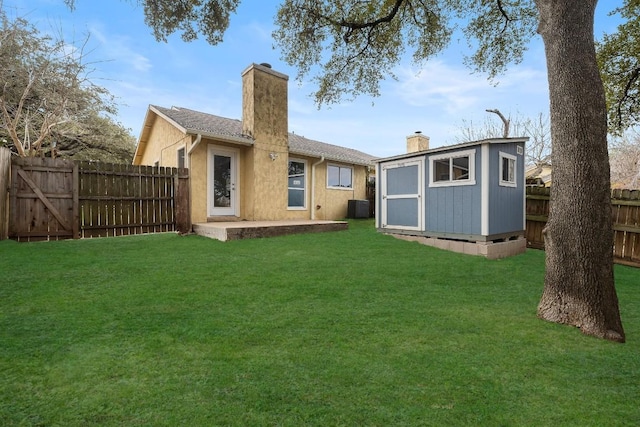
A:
(221, 181)
(441, 170)
(460, 168)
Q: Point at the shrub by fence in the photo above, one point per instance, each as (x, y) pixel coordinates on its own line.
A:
(61, 199)
(625, 207)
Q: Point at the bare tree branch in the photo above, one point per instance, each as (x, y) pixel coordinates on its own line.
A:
(635, 73)
(352, 26)
(505, 122)
(503, 12)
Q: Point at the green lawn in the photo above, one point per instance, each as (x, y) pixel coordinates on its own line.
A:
(350, 328)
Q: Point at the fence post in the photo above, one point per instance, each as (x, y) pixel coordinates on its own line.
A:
(5, 168)
(75, 226)
(182, 199)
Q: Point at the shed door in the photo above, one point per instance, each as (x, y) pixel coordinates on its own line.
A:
(402, 186)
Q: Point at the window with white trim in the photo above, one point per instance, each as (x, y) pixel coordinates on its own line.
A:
(181, 159)
(339, 176)
(507, 170)
(449, 169)
(297, 184)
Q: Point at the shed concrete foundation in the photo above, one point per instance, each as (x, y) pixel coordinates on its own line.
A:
(490, 250)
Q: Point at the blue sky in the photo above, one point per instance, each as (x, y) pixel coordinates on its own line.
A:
(436, 99)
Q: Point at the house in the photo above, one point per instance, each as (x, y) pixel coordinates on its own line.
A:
(468, 197)
(538, 175)
(254, 169)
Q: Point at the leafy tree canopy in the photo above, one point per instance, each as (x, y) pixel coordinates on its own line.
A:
(357, 44)
(48, 104)
(619, 61)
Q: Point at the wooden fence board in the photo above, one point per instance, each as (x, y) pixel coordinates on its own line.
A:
(5, 174)
(625, 212)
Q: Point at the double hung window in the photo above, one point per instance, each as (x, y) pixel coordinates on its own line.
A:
(297, 184)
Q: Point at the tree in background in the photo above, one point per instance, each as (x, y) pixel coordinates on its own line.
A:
(349, 46)
(95, 138)
(538, 129)
(625, 161)
(619, 61)
(47, 102)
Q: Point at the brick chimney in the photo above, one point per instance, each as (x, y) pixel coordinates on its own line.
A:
(264, 104)
(417, 142)
(265, 119)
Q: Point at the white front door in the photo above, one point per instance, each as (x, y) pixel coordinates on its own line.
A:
(223, 185)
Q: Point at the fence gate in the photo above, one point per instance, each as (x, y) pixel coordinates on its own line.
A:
(43, 199)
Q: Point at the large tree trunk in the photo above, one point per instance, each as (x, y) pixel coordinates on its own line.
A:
(579, 287)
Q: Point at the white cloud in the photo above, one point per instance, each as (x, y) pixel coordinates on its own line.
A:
(450, 88)
(118, 49)
(454, 88)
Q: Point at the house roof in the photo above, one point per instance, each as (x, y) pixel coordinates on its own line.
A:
(455, 147)
(539, 172)
(212, 126)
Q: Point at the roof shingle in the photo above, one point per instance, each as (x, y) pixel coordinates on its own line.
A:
(198, 122)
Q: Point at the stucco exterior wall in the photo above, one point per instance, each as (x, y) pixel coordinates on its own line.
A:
(198, 179)
(199, 164)
(164, 139)
(247, 189)
(269, 185)
(333, 202)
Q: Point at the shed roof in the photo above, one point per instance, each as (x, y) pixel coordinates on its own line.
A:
(212, 126)
(455, 147)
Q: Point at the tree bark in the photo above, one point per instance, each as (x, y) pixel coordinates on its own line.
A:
(579, 287)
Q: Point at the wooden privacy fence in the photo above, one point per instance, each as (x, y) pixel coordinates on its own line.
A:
(625, 208)
(61, 199)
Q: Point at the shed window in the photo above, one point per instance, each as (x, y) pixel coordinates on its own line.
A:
(180, 154)
(453, 169)
(297, 184)
(339, 176)
(507, 170)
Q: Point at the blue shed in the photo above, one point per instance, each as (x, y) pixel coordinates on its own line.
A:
(474, 191)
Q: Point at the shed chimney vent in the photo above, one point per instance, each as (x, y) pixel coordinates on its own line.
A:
(266, 64)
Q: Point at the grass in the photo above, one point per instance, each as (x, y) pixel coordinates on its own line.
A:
(347, 328)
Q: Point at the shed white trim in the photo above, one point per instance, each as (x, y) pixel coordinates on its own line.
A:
(484, 190)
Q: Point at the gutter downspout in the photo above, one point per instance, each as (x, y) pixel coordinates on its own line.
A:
(313, 187)
(195, 143)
